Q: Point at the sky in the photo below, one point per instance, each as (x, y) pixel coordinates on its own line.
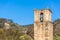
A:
(22, 11)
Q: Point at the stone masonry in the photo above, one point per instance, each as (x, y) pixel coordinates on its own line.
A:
(43, 27)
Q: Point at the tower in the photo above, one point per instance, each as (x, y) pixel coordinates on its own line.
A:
(43, 27)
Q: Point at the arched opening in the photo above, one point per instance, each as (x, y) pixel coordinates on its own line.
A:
(41, 17)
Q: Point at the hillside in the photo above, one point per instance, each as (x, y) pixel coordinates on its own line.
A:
(13, 31)
(56, 29)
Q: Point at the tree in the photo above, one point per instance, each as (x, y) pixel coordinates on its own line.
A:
(25, 37)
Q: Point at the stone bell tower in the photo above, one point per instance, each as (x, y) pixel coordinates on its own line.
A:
(43, 27)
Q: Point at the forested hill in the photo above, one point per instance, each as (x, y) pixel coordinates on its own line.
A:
(13, 31)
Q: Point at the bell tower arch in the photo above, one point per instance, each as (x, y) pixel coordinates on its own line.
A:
(43, 27)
